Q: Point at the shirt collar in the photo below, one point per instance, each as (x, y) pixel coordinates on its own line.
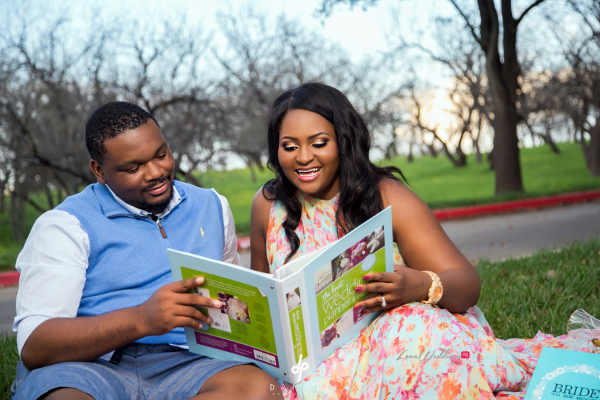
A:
(175, 200)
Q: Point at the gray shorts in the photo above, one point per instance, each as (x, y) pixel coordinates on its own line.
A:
(144, 372)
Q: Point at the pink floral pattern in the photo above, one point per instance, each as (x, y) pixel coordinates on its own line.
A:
(460, 358)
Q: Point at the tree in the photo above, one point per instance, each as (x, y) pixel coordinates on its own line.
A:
(50, 83)
(503, 76)
(261, 61)
(579, 93)
(41, 131)
(468, 95)
(497, 37)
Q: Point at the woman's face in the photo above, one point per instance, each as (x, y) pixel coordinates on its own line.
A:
(308, 153)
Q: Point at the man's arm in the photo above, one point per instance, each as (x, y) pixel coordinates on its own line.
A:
(87, 338)
(53, 266)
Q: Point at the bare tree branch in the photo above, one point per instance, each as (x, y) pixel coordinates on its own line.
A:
(531, 6)
(466, 20)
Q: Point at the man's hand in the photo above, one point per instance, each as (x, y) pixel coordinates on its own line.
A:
(87, 338)
(172, 307)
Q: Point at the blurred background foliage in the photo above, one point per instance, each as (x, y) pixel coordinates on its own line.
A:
(210, 86)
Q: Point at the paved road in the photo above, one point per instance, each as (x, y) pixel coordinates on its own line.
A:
(7, 308)
(518, 234)
(493, 237)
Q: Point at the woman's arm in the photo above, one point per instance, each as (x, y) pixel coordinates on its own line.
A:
(425, 247)
(259, 222)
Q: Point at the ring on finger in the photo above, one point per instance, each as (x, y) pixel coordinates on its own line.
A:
(383, 303)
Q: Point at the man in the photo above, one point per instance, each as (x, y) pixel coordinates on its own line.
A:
(98, 315)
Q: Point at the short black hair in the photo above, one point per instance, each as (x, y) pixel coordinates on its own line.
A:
(111, 120)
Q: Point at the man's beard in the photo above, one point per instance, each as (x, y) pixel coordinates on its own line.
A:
(156, 208)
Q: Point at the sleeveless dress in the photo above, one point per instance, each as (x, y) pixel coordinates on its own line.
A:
(470, 363)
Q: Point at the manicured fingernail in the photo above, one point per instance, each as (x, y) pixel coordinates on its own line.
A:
(217, 304)
(209, 320)
(358, 289)
(366, 278)
(199, 280)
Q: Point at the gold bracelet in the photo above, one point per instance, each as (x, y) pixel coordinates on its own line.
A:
(435, 290)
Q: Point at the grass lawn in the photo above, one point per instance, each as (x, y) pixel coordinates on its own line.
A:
(9, 249)
(438, 183)
(518, 296)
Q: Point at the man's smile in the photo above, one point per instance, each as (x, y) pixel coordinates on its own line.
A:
(159, 188)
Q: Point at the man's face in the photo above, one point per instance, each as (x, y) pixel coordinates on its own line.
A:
(138, 166)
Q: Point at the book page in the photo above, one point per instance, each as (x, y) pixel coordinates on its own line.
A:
(243, 325)
(334, 284)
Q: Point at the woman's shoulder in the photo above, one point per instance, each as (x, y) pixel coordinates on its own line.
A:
(263, 198)
(394, 192)
(390, 188)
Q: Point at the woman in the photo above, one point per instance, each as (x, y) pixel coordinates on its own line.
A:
(325, 186)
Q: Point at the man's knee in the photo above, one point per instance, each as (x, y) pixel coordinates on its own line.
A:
(242, 382)
(67, 394)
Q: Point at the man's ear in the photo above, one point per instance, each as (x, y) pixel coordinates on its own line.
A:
(98, 171)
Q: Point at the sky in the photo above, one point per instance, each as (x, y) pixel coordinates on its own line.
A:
(359, 31)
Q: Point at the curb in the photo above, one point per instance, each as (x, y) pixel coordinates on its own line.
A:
(12, 278)
(9, 278)
(495, 208)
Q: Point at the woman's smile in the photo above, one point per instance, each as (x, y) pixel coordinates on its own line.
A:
(307, 175)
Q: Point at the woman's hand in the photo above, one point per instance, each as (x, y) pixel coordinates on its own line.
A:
(399, 287)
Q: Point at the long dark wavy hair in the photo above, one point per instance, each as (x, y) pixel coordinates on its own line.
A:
(359, 196)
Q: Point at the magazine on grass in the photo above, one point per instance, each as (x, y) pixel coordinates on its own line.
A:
(289, 322)
(567, 374)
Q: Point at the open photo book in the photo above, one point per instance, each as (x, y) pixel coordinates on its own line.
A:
(289, 322)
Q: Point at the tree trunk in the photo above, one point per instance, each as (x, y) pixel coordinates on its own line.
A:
(3, 198)
(391, 152)
(475, 140)
(502, 76)
(490, 159)
(506, 160)
(17, 218)
(49, 198)
(252, 172)
(591, 151)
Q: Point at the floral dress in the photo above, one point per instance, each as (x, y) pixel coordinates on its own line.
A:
(381, 362)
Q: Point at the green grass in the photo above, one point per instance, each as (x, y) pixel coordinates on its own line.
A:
(238, 188)
(9, 249)
(518, 297)
(544, 173)
(521, 296)
(8, 363)
(438, 183)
